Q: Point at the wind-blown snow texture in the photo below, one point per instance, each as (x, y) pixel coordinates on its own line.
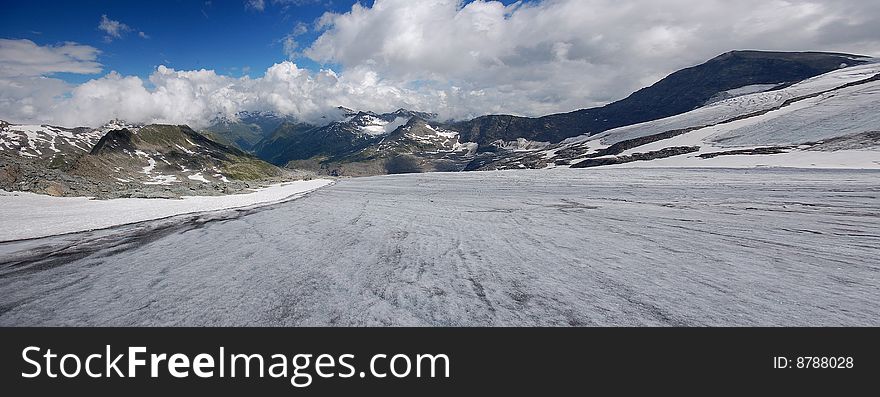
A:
(552, 247)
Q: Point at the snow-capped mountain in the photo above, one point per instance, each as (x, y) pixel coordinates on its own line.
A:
(379, 124)
(730, 74)
(417, 146)
(826, 121)
(372, 124)
(166, 154)
(743, 108)
(739, 81)
(362, 140)
(244, 129)
(45, 141)
(121, 159)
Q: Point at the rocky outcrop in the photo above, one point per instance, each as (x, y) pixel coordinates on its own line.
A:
(149, 161)
(865, 140)
(653, 155)
(739, 152)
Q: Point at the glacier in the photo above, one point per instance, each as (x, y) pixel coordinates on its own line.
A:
(560, 247)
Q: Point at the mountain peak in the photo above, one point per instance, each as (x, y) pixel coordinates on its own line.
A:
(412, 113)
(118, 124)
(680, 92)
(814, 59)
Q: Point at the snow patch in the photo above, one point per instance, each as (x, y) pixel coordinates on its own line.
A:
(185, 150)
(29, 215)
(221, 177)
(378, 126)
(162, 180)
(198, 177)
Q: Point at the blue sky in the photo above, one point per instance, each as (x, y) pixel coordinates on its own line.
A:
(223, 35)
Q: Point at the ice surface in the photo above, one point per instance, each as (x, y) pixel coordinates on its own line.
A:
(28, 215)
(560, 247)
(843, 112)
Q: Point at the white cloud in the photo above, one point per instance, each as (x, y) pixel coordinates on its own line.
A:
(258, 5)
(457, 59)
(30, 98)
(25, 58)
(113, 29)
(195, 97)
(555, 55)
(143, 35)
(290, 46)
(26, 93)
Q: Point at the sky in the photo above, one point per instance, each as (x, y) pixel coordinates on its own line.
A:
(75, 63)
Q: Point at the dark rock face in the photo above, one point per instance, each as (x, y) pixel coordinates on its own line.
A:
(680, 92)
(114, 141)
(403, 164)
(623, 146)
(9, 175)
(296, 141)
(657, 154)
(760, 150)
(246, 129)
(865, 140)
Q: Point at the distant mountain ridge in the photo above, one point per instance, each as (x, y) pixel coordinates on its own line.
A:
(833, 97)
(828, 121)
(338, 141)
(358, 139)
(682, 91)
(124, 160)
(245, 129)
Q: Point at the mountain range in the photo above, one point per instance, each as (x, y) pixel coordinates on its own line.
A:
(367, 143)
(739, 105)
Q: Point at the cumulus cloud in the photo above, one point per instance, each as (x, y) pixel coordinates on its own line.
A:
(196, 97)
(463, 59)
(557, 55)
(29, 98)
(113, 29)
